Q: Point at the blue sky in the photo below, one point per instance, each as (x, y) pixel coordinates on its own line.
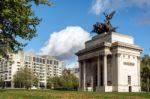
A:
(132, 18)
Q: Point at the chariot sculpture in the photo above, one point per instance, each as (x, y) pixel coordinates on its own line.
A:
(100, 27)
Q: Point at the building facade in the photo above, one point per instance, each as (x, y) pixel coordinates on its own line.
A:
(110, 62)
(42, 66)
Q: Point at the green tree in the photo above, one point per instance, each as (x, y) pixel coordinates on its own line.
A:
(65, 82)
(35, 80)
(25, 78)
(50, 83)
(70, 81)
(54, 82)
(17, 21)
(145, 73)
(18, 78)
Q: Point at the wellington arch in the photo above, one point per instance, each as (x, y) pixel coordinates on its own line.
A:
(109, 62)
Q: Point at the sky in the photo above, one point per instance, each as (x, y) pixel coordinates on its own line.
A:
(67, 24)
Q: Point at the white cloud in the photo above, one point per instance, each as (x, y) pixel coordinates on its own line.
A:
(99, 6)
(65, 43)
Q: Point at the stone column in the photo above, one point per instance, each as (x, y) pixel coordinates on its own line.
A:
(138, 71)
(98, 71)
(84, 70)
(80, 75)
(118, 69)
(105, 70)
(117, 73)
(114, 69)
(92, 86)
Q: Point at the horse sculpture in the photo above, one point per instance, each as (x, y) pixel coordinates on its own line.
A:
(100, 28)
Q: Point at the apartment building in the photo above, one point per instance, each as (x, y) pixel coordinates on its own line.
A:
(43, 66)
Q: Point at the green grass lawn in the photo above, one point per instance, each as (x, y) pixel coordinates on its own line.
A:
(52, 94)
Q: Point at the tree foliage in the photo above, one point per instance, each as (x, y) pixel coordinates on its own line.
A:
(65, 82)
(145, 73)
(25, 78)
(17, 21)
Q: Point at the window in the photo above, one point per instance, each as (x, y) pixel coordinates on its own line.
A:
(40, 60)
(26, 58)
(47, 61)
(43, 60)
(9, 71)
(5, 78)
(129, 80)
(56, 62)
(129, 56)
(50, 61)
(37, 59)
(34, 59)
